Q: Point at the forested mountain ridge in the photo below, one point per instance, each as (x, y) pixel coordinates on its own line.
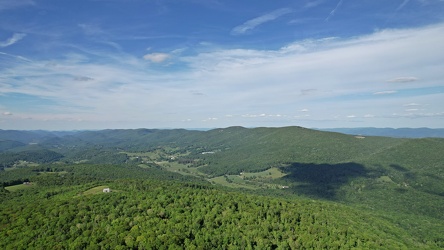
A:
(161, 215)
(391, 132)
(397, 182)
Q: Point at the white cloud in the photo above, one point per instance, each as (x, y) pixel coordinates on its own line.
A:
(329, 76)
(7, 113)
(156, 57)
(12, 40)
(253, 23)
(412, 104)
(387, 92)
(210, 119)
(254, 115)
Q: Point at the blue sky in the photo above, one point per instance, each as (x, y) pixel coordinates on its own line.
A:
(94, 64)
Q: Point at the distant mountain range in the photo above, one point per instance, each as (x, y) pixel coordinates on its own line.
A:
(399, 180)
(391, 132)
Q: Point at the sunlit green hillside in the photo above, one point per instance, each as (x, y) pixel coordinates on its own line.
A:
(347, 191)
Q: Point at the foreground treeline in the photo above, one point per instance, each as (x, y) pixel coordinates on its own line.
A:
(173, 215)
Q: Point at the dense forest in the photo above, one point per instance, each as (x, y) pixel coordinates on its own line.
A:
(231, 188)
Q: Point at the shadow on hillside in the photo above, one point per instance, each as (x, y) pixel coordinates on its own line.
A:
(398, 168)
(322, 180)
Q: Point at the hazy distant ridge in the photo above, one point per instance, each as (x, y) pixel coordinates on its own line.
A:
(391, 132)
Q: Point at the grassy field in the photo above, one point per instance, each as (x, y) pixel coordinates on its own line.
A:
(229, 182)
(272, 173)
(158, 157)
(95, 190)
(20, 187)
(250, 180)
(244, 180)
(180, 168)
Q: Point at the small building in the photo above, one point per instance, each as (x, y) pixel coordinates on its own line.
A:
(106, 190)
(208, 152)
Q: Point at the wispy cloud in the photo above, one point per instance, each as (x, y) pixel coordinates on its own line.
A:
(312, 4)
(269, 85)
(16, 57)
(404, 3)
(387, 92)
(91, 29)
(156, 57)
(305, 92)
(83, 78)
(418, 115)
(412, 104)
(253, 23)
(13, 4)
(15, 38)
(404, 79)
(332, 13)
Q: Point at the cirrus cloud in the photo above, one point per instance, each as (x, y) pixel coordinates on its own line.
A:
(156, 57)
(12, 40)
(253, 23)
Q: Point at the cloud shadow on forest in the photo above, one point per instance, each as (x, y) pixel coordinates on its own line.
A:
(322, 180)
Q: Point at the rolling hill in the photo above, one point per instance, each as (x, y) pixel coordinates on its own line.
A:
(398, 181)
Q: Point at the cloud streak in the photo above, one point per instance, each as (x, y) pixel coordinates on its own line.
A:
(12, 40)
(253, 23)
(313, 4)
(402, 5)
(387, 92)
(332, 13)
(13, 4)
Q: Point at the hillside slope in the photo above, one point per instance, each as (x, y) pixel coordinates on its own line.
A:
(161, 215)
(397, 182)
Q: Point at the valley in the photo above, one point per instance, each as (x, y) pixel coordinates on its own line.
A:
(397, 183)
